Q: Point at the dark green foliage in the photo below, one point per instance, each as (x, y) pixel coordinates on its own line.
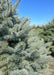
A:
(47, 33)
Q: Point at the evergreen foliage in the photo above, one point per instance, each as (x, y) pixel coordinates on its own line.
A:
(22, 52)
(47, 33)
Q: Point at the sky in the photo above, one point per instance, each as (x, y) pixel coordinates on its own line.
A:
(40, 11)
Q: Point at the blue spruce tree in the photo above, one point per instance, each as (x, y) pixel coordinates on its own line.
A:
(22, 52)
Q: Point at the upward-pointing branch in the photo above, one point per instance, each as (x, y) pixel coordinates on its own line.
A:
(16, 5)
